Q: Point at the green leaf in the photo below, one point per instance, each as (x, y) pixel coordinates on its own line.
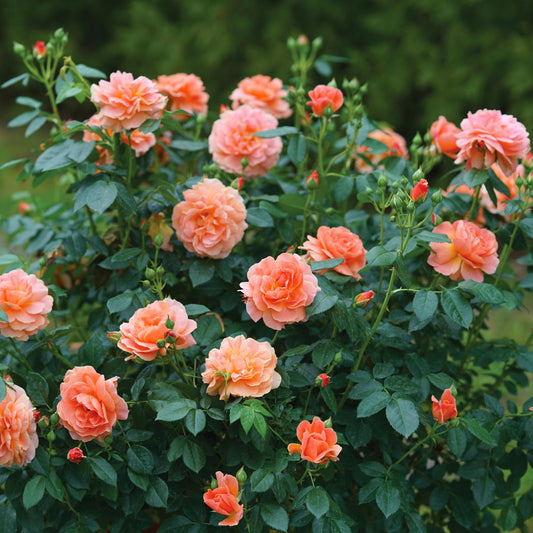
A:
(35, 125)
(260, 424)
(98, 196)
(323, 353)
(196, 309)
(429, 236)
(373, 404)
(343, 188)
(54, 486)
(10, 164)
(475, 177)
(33, 491)
(103, 470)
(3, 389)
(188, 146)
(321, 303)
(367, 493)
(258, 217)
(276, 132)
(373, 469)
(388, 499)
(261, 480)
(24, 78)
(120, 302)
(297, 149)
(126, 255)
(195, 421)
(425, 304)
(508, 517)
(247, 416)
(456, 439)
(23, 118)
(201, 272)
(457, 308)
(317, 501)
(140, 459)
(483, 291)
(150, 125)
(479, 431)
(328, 263)
(292, 203)
(89, 72)
(380, 256)
(67, 91)
(484, 490)
(208, 331)
(41, 462)
(62, 155)
(157, 493)
(139, 480)
(37, 388)
(440, 380)
(275, 516)
(402, 416)
(175, 410)
(176, 448)
(193, 456)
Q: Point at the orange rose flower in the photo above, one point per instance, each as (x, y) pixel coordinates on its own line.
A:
(444, 135)
(211, 220)
(487, 136)
(139, 336)
(445, 408)
(139, 142)
(186, 92)
(25, 300)
(473, 250)
(125, 103)
(318, 443)
(90, 405)
(395, 143)
(18, 437)
(225, 499)
(233, 138)
(278, 290)
(241, 367)
(339, 242)
(322, 97)
(262, 92)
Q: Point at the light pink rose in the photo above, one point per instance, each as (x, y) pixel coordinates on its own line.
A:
(278, 290)
(26, 301)
(125, 103)
(139, 141)
(262, 92)
(186, 92)
(232, 139)
(211, 219)
(487, 137)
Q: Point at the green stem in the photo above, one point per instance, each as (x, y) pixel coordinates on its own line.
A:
(57, 353)
(19, 356)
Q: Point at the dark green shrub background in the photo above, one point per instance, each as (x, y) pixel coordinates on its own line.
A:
(421, 58)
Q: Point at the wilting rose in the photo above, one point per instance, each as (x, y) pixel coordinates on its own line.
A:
(233, 138)
(318, 443)
(139, 336)
(444, 135)
(185, 92)
(396, 147)
(323, 96)
(18, 437)
(488, 136)
(158, 226)
(472, 252)
(278, 290)
(339, 242)
(90, 405)
(125, 103)
(241, 367)
(211, 220)
(225, 499)
(445, 408)
(25, 300)
(262, 92)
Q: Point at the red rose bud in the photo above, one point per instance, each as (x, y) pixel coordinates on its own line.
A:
(303, 40)
(39, 49)
(114, 336)
(239, 183)
(36, 415)
(312, 181)
(24, 208)
(322, 380)
(420, 189)
(290, 250)
(75, 455)
(171, 337)
(8, 378)
(223, 108)
(445, 408)
(363, 299)
(433, 218)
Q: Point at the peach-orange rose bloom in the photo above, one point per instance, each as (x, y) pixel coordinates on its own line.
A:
(185, 92)
(323, 96)
(444, 135)
(331, 243)
(106, 156)
(445, 408)
(487, 137)
(278, 290)
(26, 301)
(318, 443)
(125, 103)
(18, 437)
(225, 499)
(139, 336)
(264, 93)
(211, 219)
(232, 139)
(139, 141)
(249, 366)
(396, 144)
(473, 250)
(90, 405)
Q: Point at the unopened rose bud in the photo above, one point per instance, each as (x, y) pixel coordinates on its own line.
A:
(436, 198)
(403, 181)
(214, 484)
(160, 270)
(330, 210)
(322, 380)
(417, 141)
(328, 423)
(241, 475)
(36, 415)
(363, 299)
(75, 455)
(158, 240)
(433, 218)
(114, 336)
(149, 273)
(169, 323)
(54, 419)
(51, 436)
(160, 343)
(39, 49)
(317, 43)
(171, 337)
(290, 250)
(43, 423)
(312, 180)
(338, 357)
(303, 40)
(19, 49)
(244, 163)
(24, 208)
(240, 181)
(382, 182)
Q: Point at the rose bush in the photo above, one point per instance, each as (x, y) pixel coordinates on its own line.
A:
(306, 349)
